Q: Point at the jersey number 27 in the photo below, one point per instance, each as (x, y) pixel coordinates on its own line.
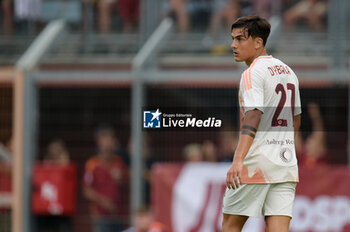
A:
(276, 121)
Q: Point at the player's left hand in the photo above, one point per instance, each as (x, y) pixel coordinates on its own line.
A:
(233, 176)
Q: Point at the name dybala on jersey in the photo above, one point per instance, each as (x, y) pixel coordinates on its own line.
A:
(272, 87)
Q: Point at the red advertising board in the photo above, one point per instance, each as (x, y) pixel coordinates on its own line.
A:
(188, 198)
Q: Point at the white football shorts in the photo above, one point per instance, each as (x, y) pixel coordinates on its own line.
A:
(254, 200)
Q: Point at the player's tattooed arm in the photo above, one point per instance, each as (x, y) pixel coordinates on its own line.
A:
(249, 130)
(250, 123)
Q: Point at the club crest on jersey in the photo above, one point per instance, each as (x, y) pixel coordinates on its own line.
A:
(286, 155)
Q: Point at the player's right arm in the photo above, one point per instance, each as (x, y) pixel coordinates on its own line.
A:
(252, 100)
(248, 130)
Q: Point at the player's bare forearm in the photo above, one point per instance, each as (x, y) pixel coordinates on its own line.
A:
(296, 124)
(248, 130)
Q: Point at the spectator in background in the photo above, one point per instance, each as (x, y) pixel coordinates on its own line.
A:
(129, 12)
(6, 167)
(6, 185)
(28, 12)
(143, 221)
(312, 151)
(263, 8)
(57, 153)
(178, 9)
(220, 11)
(105, 9)
(7, 16)
(28, 9)
(193, 153)
(149, 158)
(209, 151)
(226, 11)
(103, 178)
(313, 11)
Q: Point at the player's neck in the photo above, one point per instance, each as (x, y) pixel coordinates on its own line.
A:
(261, 52)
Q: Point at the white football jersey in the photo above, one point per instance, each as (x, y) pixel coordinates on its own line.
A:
(272, 87)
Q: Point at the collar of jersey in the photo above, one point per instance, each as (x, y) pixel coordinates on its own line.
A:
(258, 58)
(267, 56)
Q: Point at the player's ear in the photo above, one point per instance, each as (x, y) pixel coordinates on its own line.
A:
(259, 42)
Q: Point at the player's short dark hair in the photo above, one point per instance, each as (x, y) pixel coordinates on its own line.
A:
(255, 26)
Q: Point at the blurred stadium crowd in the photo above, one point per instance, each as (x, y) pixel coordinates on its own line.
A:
(28, 16)
(119, 27)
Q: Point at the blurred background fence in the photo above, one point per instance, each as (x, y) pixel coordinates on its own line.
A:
(86, 78)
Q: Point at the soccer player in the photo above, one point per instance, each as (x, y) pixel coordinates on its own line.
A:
(264, 171)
